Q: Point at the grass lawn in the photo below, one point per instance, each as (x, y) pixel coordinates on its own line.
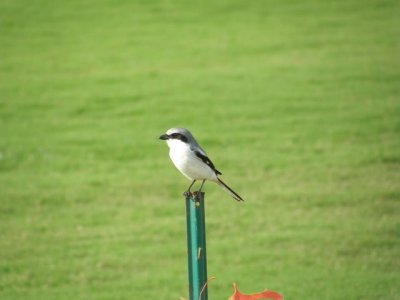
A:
(296, 102)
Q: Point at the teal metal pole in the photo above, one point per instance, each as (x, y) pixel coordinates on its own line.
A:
(196, 244)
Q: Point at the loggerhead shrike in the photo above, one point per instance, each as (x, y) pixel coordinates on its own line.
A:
(192, 161)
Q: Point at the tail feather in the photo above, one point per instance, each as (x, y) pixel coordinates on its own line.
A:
(229, 190)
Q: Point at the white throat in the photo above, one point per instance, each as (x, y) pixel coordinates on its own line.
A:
(174, 144)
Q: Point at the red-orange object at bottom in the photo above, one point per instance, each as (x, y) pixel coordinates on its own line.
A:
(263, 295)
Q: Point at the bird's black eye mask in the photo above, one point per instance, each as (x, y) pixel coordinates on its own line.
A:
(178, 136)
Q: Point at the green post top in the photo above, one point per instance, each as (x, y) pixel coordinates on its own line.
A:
(196, 244)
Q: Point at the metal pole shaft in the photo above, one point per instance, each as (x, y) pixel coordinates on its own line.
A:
(196, 244)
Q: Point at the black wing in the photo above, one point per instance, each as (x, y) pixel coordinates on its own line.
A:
(207, 161)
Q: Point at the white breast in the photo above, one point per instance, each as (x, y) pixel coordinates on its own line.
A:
(186, 161)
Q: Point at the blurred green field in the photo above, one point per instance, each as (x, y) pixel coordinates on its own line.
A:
(297, 103)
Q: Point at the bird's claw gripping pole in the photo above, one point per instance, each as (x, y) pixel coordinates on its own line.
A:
(196, 244)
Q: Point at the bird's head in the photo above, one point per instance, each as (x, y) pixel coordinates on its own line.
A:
(177, 135)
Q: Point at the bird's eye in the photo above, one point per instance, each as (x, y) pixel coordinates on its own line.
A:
(179, 136)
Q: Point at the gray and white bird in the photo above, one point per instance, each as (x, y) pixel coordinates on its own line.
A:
(192, 161)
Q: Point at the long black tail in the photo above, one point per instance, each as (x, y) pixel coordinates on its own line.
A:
(229, 190)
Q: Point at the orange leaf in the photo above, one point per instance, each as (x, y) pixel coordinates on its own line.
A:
(263, 295)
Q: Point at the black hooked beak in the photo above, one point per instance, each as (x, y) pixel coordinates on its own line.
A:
(164, 137)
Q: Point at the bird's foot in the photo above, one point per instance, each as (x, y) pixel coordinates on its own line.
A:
(198, 195)
(187, 194)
